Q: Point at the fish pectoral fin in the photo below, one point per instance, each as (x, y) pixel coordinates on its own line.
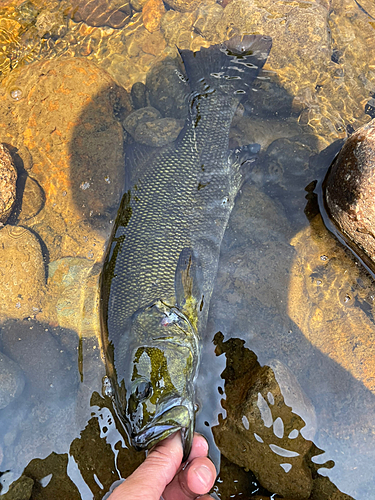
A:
(242, 154)
(241, 159)
(188, 283)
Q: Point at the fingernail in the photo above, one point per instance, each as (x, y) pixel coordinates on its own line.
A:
(204, 475)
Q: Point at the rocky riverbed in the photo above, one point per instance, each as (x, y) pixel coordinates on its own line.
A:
(288, 356)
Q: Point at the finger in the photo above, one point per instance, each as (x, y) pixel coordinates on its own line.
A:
(153, 475)
(199, 447)
(197, 478)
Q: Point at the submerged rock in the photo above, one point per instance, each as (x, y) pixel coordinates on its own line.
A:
(147, 114)
(266, 415)
(20, 489)
(113, 13)
(183, 5)
(22, 273)
(152, 12)
(12, 381)
(76, 150)
(158, 133)
(8, 178)
(167, 89)
(331, 299)
(138, 95)
(349, 190)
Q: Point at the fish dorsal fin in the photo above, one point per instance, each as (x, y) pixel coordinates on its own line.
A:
(188, 280)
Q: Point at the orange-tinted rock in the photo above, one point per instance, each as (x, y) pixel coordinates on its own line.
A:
(329, 296)
(8, 178)
(68, 119)
(113, 13)
(152, 13)
(22, 273)
(154, 44)
(349, 190)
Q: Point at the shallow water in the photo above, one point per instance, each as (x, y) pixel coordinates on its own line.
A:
(288, 353)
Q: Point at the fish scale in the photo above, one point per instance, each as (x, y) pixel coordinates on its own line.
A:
(162, 260)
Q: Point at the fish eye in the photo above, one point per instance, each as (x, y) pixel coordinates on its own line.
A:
(143, 390)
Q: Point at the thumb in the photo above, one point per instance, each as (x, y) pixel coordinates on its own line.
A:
(153, 475)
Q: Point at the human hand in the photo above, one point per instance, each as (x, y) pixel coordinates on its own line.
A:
(161, 474)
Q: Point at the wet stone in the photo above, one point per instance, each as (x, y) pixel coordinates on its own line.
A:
(51, 24)
(138, 5)
(158, 133)
(329, 296)
(138, 95)
(22, 273)
(207, 17)
(12, 381)
(76, 150)
(113, 13)
(20, 489)
(147, 114)
(33, 199)
(167, 89)
(349, 190)
(154, 44)
(261, 432)
(152, 14)
(183, 5)
(8, 178)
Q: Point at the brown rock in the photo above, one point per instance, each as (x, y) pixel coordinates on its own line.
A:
(324, 489)
(152, 13)
(20, 489)
(154, 44)
(261, 432)
(207, 17)
(8, 179)
(147, 114)
(349, 190)
(113, 13)
(32, 199)
(329, 295)
(138, 5)
(184, 5)
(75, 141)
(22, 273)
(158, 133)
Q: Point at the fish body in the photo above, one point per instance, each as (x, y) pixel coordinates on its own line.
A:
(162, 259)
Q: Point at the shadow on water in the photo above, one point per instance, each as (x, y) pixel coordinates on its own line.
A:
(260, 380)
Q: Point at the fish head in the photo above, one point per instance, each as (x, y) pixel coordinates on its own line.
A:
(160, 377)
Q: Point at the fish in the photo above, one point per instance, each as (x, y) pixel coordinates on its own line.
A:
(162, 257)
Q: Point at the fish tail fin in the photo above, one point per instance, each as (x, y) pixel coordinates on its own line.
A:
(229, 67)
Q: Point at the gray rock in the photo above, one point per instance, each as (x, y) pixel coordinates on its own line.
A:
(132, 121)
(12, 381)
(138, 95)
(167, 89)
(159, 132)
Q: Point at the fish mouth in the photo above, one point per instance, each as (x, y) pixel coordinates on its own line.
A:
(165, 424)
